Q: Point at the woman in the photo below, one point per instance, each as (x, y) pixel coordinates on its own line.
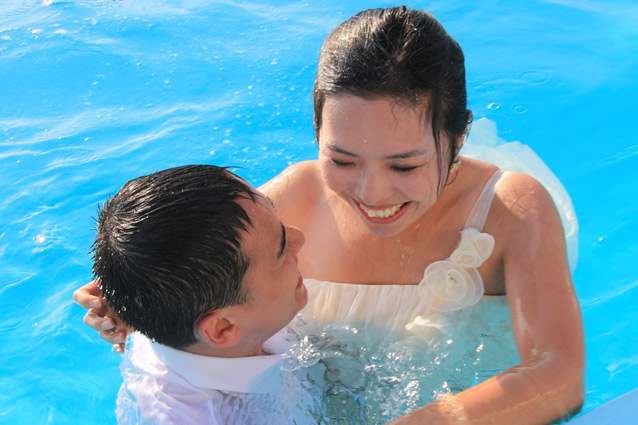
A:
(398, 226)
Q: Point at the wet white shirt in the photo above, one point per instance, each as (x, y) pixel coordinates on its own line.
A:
(163, 385)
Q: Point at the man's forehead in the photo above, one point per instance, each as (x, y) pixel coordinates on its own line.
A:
(258, 194)
(261, 212)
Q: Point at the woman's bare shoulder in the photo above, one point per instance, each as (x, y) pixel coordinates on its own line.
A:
(294, 181)
(526, 214)
(295, 189)
(525, 197)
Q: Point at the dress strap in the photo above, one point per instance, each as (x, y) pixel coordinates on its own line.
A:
(481, 208)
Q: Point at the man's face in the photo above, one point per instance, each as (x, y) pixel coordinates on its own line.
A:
(274, 285)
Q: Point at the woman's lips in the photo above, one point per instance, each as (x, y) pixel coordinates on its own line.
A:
(382, 215)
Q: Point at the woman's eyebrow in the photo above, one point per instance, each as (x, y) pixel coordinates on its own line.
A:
(401, 155)
(337, 149)
(408, 154)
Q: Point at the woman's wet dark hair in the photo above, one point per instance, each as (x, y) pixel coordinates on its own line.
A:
(402, 54)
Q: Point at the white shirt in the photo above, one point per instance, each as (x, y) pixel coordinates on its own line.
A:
(163, 385)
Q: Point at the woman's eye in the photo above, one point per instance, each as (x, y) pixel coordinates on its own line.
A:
(403, 169)
(342, 164)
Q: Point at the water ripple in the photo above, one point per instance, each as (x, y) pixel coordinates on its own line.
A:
(609, 295)
(535, 78)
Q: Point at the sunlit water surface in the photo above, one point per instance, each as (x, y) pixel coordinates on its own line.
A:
(97, 92)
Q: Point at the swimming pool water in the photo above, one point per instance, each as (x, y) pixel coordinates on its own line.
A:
(96, 92)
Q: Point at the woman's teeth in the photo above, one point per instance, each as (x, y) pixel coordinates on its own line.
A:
(385, 213)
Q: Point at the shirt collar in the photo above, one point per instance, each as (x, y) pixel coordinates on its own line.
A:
(254, 374)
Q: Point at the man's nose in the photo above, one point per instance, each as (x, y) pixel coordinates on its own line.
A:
(295, 238)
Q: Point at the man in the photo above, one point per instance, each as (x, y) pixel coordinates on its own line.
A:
(197, 262)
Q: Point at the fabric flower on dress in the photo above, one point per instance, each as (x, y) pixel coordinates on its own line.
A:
(455, 283)
(473, 249)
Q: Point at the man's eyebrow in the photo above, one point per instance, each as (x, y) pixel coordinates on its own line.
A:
(272, 204)
(282, 248)
(402, 155)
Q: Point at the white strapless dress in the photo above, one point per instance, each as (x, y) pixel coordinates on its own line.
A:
(454, 283)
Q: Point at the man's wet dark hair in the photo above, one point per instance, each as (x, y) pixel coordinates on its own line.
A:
(167, 250)
(400, 54)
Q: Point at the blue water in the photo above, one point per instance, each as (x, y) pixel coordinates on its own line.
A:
(94, 93)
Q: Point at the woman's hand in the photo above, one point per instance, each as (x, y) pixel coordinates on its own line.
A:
(101, 317)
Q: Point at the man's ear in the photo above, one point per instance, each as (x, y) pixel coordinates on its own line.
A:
(219, 329)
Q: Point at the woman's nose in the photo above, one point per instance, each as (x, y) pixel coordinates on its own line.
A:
(373, 188)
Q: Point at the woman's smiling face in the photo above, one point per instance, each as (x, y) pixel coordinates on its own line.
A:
(380, 156)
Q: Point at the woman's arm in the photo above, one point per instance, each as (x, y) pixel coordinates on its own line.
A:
(100, 317)
(546, 319)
